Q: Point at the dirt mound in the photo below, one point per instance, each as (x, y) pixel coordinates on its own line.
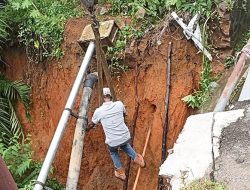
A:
(51, 83)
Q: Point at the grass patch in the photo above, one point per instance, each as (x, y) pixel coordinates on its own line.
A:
(204, 185)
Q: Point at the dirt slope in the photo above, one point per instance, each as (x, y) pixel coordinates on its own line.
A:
(51, 83)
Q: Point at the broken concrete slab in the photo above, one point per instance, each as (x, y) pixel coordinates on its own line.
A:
(233, 165)
(192, 152)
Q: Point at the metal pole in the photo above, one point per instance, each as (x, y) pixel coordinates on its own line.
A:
(231, 83)
(63, 120)
(81, 124)
(165, 127)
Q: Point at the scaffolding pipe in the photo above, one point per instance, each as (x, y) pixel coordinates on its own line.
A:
(64, 119)
(81, 124)
(231, 82)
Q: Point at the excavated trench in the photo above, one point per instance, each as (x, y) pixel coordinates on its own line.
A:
(51, 83)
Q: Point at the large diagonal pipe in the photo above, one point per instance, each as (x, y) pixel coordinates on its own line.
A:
(64, 119)
(81, 124)
(232, 81)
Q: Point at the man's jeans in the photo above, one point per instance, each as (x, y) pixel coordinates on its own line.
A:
(115, 156)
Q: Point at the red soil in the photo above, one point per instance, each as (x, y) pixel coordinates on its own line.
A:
(51, 83)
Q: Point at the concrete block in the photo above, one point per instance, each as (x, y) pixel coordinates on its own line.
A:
(192, 154)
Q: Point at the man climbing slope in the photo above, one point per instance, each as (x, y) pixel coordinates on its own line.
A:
(111, 115)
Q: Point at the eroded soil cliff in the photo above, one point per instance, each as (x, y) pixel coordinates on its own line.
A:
(51, 83)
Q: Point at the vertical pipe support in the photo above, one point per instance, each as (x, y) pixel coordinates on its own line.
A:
(81, 124)
(64, 119)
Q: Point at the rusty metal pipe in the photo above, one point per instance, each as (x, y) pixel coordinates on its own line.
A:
(6, 180)
(165, 127)
(231, 83)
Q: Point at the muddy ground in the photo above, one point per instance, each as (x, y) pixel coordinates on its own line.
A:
(51, 82)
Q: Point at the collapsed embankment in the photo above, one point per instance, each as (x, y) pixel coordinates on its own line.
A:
(51, 83)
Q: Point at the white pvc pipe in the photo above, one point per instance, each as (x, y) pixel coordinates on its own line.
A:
(64, 119)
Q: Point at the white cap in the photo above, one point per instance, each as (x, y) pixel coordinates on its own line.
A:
(106, 91)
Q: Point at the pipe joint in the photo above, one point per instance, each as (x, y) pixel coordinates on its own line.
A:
(90, 80)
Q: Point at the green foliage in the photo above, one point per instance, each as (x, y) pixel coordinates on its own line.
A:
(39, 24)
(229, 61)
(116, 54)
(10, 93)
(229, 4)
(14, 90)
(242, 42)
(18, 158)
(199, 97)
(204, 184)
(54, 184)
(154, 11)
(3, 27)
(203, 7)
(154, 8)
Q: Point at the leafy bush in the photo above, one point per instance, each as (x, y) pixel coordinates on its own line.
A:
(199, 97)
(10, 93)
(116, 54)
(154, 8)
(203, 7)
(18, 158)
(39, 24)
(242, 42)
(229, 61)
(229, 4)
(154, 11)
(3, 26)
